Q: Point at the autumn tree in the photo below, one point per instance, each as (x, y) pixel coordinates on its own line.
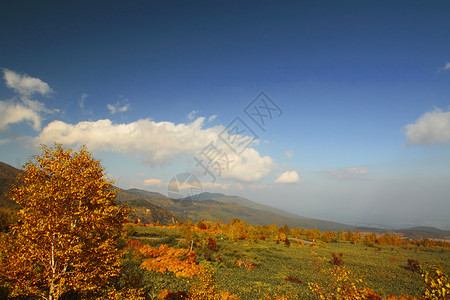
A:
(312, 234)
(370, 239)
(66, 238)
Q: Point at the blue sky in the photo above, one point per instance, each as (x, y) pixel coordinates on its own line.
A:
(363, 87)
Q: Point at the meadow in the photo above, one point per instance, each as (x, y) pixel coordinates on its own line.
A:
(260, 268)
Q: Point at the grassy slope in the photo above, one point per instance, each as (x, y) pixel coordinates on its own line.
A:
(384, 270)
(376, 268)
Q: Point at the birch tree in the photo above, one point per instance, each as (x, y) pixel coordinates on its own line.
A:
(68, 228)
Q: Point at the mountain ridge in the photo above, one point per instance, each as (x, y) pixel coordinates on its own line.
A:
(218, 206)
(151, 206)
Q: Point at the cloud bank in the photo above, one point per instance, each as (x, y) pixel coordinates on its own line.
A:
(157, 143)
(431, 128)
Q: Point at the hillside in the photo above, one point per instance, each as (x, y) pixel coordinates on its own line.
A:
(8, 175)
(245, 202)
(147, 207)
(217, 206)
(150, 207)
(421, 232)
(215, 210)
(141, 208)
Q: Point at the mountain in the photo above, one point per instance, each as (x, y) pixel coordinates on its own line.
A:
(148, 207)
(138, 202)
(244, 202)
(421, 232)
(151, 207)
(8, 176)
(143, 192)
(215, 210)
(217, 206)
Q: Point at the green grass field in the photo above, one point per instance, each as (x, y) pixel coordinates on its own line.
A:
(382, 269)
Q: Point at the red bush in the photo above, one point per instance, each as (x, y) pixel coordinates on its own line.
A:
(293, 279)
(337, 259)
(212, 244)
(413, 265)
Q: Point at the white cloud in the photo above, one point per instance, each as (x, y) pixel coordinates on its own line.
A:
(37, 106)
(345, 173)
(215, 185)
(288, 177)
(289, 154)
(152, 181)
(212, 118)
(247, 166)
(81, 100)
(446, 67)
(120, 106)
(11, 113)
(192, 114)
(157, 143)
(29, 110)
(431, 128)
(26, 85)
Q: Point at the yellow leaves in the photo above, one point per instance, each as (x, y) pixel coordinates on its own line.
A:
(245, 263)
(181, 262)
(68, 224)
(438, 284)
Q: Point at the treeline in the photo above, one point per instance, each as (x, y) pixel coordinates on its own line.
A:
(239, 230)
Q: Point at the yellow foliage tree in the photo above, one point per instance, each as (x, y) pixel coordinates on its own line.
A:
(438, 284)
(68, 228)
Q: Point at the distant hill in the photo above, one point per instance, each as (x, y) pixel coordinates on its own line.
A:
(245, 202)
(217, 206)
(147, 212)
(215, 210)
(151, 207)
(137, 201)
(143, 192)
(421, 232)
(8, 175)
(148, 207)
